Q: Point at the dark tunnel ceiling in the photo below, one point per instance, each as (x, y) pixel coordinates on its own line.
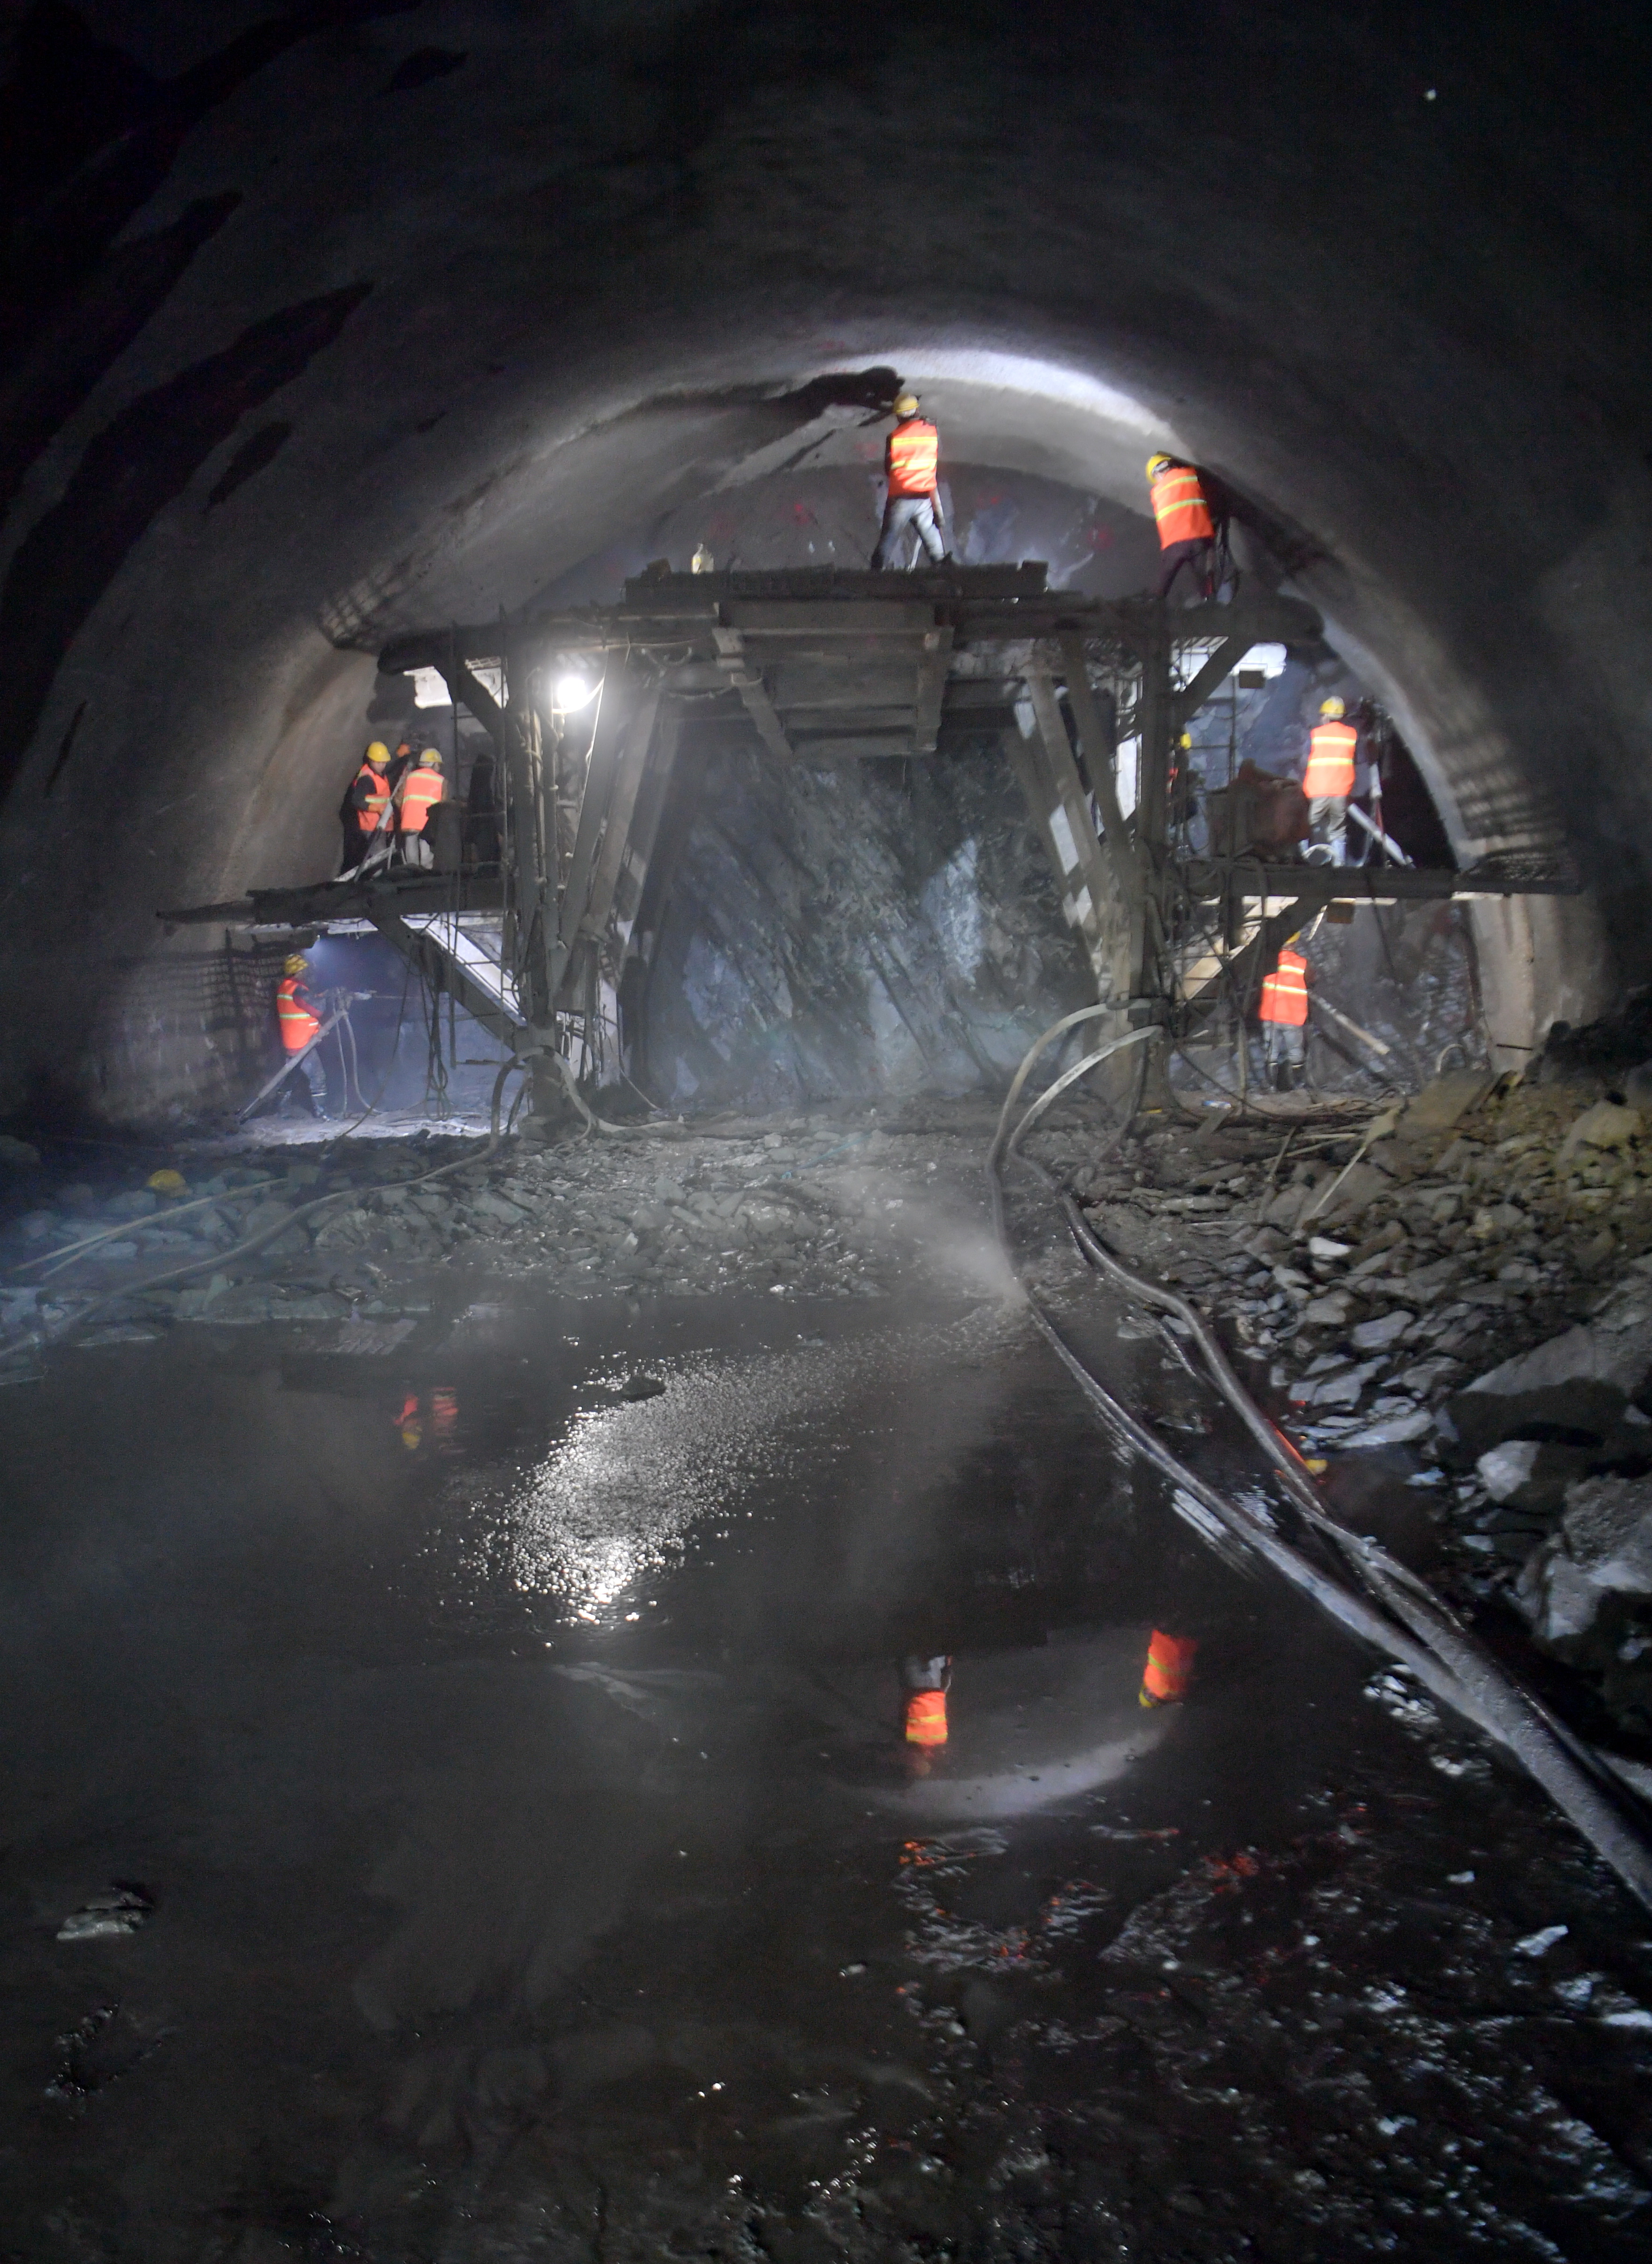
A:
(317, 322)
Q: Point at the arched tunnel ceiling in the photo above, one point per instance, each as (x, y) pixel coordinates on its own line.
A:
(331, 321)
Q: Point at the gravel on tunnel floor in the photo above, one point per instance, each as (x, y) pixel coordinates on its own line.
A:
(530, 1865)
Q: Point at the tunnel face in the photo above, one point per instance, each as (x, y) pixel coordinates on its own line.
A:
(328, 325)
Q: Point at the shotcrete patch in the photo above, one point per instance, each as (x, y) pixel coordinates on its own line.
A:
(260, 449)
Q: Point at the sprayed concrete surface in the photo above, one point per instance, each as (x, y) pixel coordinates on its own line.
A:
(491, 1759)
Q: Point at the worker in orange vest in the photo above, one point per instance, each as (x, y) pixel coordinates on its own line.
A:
(416, 797)
(1284, 1017)
(925, 1682)
(1329, 779)
(1169, 1669)
(1186, 524)
(367, 805)
(299, 1021)
(913, 500)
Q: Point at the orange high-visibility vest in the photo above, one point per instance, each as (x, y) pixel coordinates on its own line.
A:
(299, 1020)
(1284, 992)
(374, 799)
(1330, 760)
(1169, 1667)
(1180, 508)
(417, 796)
(926, 1717)
(910, 459)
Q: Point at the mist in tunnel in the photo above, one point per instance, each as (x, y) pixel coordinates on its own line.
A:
(327, 323)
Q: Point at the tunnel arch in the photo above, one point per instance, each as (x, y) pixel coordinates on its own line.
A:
(609, 282)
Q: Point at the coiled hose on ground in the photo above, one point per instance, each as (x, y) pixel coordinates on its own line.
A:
(1380, 1600)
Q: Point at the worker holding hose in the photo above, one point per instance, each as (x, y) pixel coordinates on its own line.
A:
(1329, 779)
(300, 1021)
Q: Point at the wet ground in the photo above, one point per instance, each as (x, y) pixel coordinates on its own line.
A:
(499, 1756)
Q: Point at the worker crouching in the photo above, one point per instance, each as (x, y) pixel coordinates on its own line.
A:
(1283, 1014)
(912, 500)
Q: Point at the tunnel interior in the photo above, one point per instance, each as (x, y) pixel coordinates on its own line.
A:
(746, 1605)
(288, 414)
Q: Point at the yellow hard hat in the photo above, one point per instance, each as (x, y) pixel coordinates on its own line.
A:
(906, 404)
(378, 752)
(429, 759)
(167, 1183)
(1187, 739)
(296, 963)
(1157, 464)
(1333, 708)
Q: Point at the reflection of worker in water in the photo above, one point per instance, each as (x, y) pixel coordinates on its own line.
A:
(1169, 1669)
(1329, 779)
(1186, 525)
(924, 1681)
(435, 1416)
(1283, 1013)
(416, 797)
(912, 504)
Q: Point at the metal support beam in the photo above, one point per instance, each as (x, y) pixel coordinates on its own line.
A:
(1055, 795)
(444, 974)
(1220, 665)
(747, 682)
(581, 925)
(931, 689)
(467, 689)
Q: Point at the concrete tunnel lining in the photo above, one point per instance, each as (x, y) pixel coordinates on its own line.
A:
(480, 424)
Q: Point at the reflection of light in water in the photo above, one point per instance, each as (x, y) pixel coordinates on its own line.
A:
(618, 1498)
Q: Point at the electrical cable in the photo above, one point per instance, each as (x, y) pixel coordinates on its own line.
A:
(1402, 1616)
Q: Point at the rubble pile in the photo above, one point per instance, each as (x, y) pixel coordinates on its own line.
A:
(821, 1208)
(1448, 1307)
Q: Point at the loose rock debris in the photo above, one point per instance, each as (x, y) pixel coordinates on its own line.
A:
(109, 1917)
(1448, 1307)
(821, 1209)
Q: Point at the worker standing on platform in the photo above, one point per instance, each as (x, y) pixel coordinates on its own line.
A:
(416, 797)
(1329, 779)
(367, 805)
(913, 500)
(1284, 1017)
(1186, 524)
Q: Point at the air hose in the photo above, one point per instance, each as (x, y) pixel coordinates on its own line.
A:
(1397, 1614)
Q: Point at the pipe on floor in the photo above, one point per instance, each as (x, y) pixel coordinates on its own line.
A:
(1399, 1614)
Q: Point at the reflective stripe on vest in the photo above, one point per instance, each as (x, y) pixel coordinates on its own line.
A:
(376, 795)
(1180, 508)
(1330, 760)
(926, 1717)
(298, 1024)
(914, 449)
(416, 797)
(1169, 1667)
(1284, 993)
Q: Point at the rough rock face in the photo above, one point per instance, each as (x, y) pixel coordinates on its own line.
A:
(877, 928)
(1604, 1548)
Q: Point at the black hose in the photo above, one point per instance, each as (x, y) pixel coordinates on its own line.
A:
(1403, 1618)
